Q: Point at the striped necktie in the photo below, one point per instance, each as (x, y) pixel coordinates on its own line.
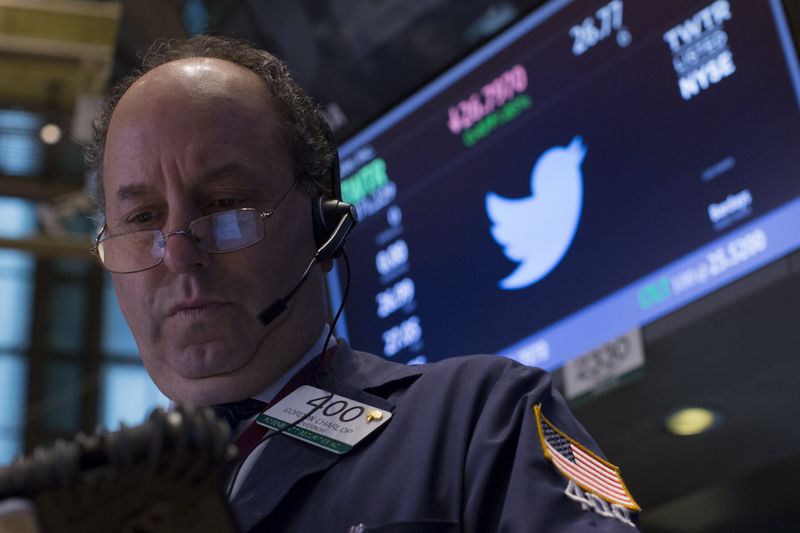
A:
(233, 413)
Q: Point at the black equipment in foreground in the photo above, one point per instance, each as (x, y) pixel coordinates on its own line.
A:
(164, 475)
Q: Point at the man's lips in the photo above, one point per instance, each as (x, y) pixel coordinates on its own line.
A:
(192, 307)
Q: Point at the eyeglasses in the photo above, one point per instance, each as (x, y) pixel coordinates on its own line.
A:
(218, 233)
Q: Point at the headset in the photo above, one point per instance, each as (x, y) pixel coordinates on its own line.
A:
(333, 220)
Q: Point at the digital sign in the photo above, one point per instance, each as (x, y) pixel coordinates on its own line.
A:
(596, 166)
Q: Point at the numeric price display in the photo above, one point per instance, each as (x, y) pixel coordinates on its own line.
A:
(395, 297)
(398, 296)
(491, 96)
(404, 335)
(594, 29)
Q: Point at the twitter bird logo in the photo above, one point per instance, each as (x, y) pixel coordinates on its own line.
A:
(536, 231)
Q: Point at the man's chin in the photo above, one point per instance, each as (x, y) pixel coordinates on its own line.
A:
(207, 360)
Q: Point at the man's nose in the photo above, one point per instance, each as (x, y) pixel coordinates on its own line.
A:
(182, 254)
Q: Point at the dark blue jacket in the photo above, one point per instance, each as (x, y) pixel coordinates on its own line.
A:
(461, 453)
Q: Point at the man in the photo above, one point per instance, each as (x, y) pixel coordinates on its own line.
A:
(207, 163)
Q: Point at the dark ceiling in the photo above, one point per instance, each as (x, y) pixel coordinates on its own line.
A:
(735, 351)
(355, 57)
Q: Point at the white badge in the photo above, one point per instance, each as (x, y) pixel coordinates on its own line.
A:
(337, 424)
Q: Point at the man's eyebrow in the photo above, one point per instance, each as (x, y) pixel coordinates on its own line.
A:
(225, 170)
(127, 192)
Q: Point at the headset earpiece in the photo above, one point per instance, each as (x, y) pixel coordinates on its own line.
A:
(333, 220)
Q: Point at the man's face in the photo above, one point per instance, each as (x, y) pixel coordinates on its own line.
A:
(191, 138)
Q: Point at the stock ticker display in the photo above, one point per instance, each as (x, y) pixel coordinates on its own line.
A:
(597, 166)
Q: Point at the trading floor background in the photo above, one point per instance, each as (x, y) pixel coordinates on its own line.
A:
(676, 286)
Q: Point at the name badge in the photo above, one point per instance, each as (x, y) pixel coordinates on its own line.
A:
(323, 419)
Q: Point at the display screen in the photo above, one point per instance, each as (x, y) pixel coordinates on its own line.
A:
(598, 165)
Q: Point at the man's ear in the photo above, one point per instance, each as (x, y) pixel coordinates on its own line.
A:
(327, 265)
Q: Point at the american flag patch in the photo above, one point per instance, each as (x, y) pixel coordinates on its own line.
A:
(592, 473)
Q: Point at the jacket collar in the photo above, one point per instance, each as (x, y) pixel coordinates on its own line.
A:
(365, 371)
(352, 374)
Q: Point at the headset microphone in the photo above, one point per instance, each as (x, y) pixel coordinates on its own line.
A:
(324, 211)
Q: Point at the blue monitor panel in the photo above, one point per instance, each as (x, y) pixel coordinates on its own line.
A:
(596, 166)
